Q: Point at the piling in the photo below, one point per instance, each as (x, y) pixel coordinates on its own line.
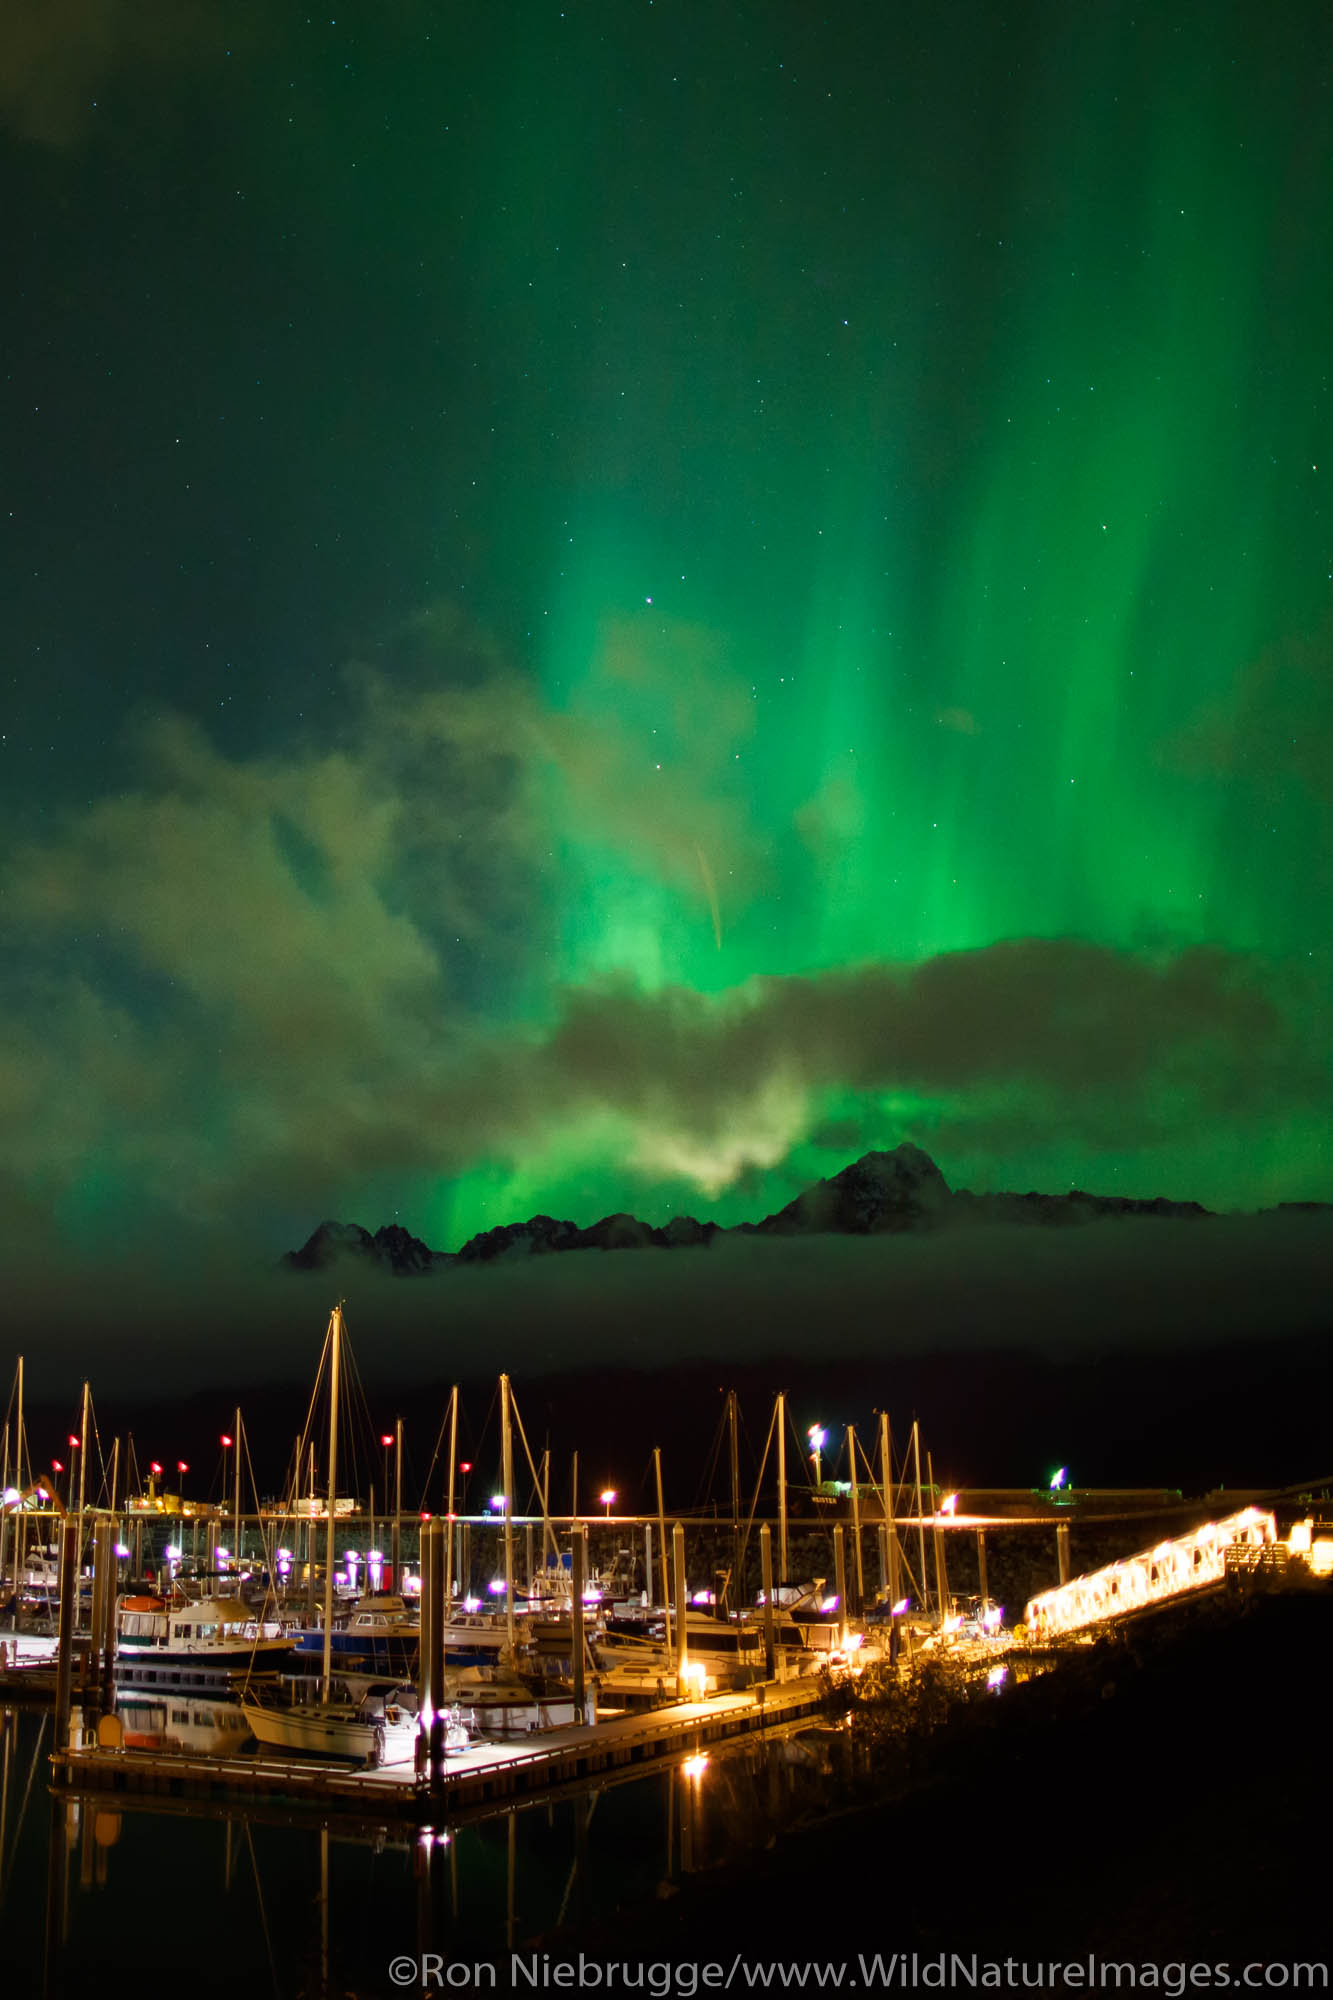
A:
(766, 1580)
(678, 1565)
(1062, 1549)
(69, 1597)
(104, 1599)
(577, 1572)
(983, 1584)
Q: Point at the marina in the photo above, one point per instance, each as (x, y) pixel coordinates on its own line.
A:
(320, 1669)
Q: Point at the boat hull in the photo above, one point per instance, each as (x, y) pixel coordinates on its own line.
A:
(307, 1730)
(218, 1667)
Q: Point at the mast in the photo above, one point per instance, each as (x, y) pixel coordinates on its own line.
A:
(236, 1498)
(335, 1360)
(449, 1545)
(937, 1537)
(890, 1528)
(662, 1545)
(857, 1570)
(507, 1463)
(22, 1484)
(396, 1545)
(734, 1449)
(547, 1537)
(5, 1483)
(782, 1487)
(920, 1517)
(574, 1489)
(83, 1464)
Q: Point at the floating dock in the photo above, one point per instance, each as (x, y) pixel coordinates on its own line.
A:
(482, 1778)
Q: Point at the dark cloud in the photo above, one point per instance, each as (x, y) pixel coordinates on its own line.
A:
(56, 55)
(254, 984)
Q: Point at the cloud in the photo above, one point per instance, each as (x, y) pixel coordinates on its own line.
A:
(961, 721)
(255, 984)
(55, 56)
(1274, 724)
(1033, 1037)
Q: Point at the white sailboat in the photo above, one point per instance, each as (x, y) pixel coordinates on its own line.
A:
(365, 1732)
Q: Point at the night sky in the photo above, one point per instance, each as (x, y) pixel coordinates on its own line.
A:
(606, 606)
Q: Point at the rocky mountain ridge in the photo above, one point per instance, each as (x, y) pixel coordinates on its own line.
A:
(895, 1193)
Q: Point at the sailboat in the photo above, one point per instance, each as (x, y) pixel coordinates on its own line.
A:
(367, 1731)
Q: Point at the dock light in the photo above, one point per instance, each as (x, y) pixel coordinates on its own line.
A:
(949, 1504)
(817, 1436)
(172, 1552)
(122, 1553)
(73, 1442)
(695, 1676)
(694, 1767)
(386, 1439)
(499, 1502)
(465, 1466)
(471, 1603)
(226, 1442)
(11, 1495)
(900, 1607)
(1060, 1479)
(496, 1586)
(608, 1500)
(155, 1469)
(56, 1465)
(995, 1679)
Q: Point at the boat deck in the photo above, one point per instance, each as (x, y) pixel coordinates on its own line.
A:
(485, 1777)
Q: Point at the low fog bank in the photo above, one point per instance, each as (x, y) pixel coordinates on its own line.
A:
(1105, 1287)
(1175, 1352)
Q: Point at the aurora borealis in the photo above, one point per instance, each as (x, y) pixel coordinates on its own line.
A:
(606, 606)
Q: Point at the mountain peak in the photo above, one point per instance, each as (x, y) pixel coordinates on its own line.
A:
(895, 1193)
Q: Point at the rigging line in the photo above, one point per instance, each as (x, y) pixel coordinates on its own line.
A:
(263, 1914)
(704, 1484)
(435, 1455)
(548, 1532)
(574, 1864)
(759, 1481)
(311, 1411)
(7, 1871)
(877, 1488)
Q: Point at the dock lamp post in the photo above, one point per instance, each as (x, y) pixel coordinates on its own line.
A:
(386, 1442)
(818, 1437)
(608, 1499)
(181, 1469)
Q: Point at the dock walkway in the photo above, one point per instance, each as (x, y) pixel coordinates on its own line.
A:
(488, 1775)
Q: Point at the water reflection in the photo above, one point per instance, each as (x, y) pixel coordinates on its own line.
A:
(321, 1910)
(194, 1724)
